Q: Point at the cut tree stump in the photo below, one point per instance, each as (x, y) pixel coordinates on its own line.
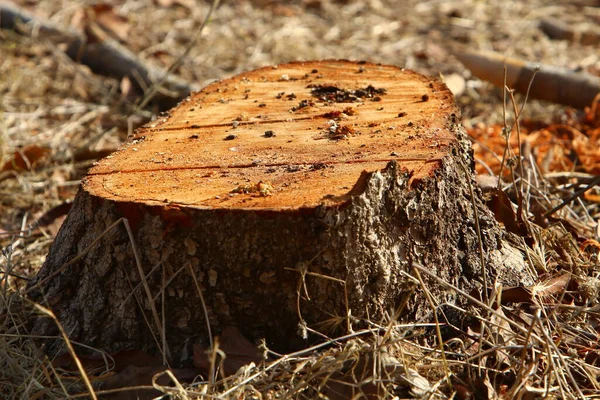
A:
(289, 197)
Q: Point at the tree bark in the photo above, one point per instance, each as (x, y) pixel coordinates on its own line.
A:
(289, 197)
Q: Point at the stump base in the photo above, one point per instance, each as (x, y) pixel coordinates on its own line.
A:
(273, 263)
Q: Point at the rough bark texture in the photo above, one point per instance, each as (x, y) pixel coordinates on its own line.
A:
(266, 269)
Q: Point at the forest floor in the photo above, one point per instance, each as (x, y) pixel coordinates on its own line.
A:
(57, 118)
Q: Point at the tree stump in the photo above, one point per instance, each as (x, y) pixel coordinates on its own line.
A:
(289, 197)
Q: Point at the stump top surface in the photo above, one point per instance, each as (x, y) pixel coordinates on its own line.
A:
(293, 136)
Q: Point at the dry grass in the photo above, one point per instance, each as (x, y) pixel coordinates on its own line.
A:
(545, 345)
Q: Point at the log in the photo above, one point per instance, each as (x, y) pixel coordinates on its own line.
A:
(578, 33)
(557, 85)
(285, 199)
(106, 57)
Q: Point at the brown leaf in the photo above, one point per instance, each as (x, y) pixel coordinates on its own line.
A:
(26, 158)
(504, 213)
(99, 21)
(463, 392)
(134, 376)
(553, 286)
(55, 225)
(53, 218)
(589, 196)
(588, 151)
(144, 376)
(169, 3)
(519, 294)
(356, 381)
(504, 334)
(80, 86)
(116, 362)
(239, 352)
(130, 368)
(111, 22)
(471, 346)
(589, 243)
(284, 10)
(484, 388)
(573, 144)
(550, 287)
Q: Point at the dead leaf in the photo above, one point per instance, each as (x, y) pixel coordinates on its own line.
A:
(163, 56)
(504, 212)
(471, 340)
(574, 143)
(542, 290)
(111, 22)
(80, 86)
(26, 158)
(53, 218)
(128, 368)
(592, 113)
(313, 4)
(589, 196)
(169, 3)
(589, 242)
(551, 287)
(463, 392)
(588, 151)
(504, 333)
(519, 294)
(239, 352)
(99, 21)
(115, 362)
(484, 388)
(356, 381)
(144, 376)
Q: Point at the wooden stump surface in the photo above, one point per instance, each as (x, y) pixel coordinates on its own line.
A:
(297, 135)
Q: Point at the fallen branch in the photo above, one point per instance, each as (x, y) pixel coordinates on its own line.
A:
(106, 57)
(562, 86)
(562, 31)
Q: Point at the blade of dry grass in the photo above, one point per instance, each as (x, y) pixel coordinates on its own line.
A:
(65, 337)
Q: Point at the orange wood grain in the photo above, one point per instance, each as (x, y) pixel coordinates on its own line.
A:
(211, 148)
